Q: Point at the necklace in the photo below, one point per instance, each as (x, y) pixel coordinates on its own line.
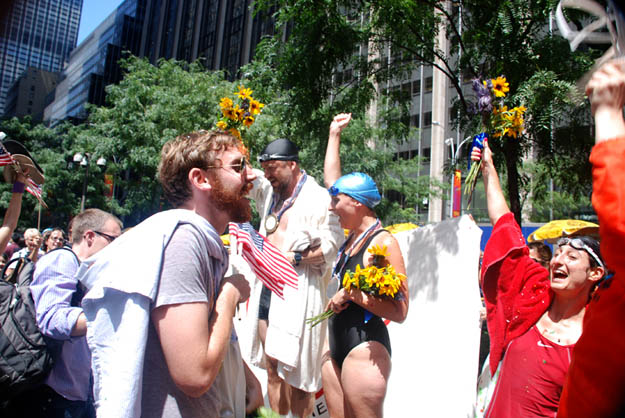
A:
(273, 219)
(340, 263)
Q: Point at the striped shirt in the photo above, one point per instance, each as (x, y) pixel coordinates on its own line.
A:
(52, 288)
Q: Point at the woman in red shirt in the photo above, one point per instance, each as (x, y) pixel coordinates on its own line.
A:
(534, 315)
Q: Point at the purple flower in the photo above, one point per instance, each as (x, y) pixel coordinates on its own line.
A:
(484, 98)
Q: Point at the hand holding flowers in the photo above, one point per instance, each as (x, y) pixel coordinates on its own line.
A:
(379, 279)
(496, 120)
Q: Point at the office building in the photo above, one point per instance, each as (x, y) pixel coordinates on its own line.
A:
(94, 63)
(36, 33)
(29, 93)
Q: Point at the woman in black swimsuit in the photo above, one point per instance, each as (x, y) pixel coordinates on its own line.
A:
(356, 369)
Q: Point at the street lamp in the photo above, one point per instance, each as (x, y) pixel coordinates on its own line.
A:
(84, 161)
(454, 160)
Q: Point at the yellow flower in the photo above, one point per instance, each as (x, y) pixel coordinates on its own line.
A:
(239, 112)
(376, 250)
(235, 133)
(222, 125)
(244, 93)
(347, 281)
(500, 86)
(225, 103)
(229, 113)
(255, 106)
(248, 120)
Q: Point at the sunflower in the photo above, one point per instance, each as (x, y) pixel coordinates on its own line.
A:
(248, 120)
(226, 103)
(500, 86)
(235, 133)
(244, 93)
(255, 107)
(229, 113)
(222, 125)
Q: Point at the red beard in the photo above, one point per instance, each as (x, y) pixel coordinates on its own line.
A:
(233, 202)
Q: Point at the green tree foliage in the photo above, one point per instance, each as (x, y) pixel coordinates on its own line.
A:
(52, 149)
(383, 41)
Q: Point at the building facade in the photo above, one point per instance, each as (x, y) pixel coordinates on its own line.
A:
(36, 33)
(94, 64)
(29, 94)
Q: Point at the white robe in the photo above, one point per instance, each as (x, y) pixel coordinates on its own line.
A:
(297, 348)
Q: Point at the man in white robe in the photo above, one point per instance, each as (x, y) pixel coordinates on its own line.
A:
(295, 218)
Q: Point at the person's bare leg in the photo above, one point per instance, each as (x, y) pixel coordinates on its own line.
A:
(364, 379)
(302, 403)
(331, 376)
(277, 389)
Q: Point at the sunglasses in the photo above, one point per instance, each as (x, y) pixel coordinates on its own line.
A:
(579, 244)
(237, 168)
(108, 237)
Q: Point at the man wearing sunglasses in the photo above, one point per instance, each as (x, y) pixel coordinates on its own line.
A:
(534, 314)
(160, 306)
(595, 384)
(295, 218)
(57, 296)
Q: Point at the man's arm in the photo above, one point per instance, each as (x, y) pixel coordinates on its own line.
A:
(194, 348)
(52, 289)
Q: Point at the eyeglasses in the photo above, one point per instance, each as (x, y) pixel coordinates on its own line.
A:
(109, 238)
(237, 168)
(56, 238)
(579, 244)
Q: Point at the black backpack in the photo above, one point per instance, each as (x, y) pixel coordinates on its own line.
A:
(26, 356)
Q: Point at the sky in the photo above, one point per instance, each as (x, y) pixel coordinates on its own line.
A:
(93, 13)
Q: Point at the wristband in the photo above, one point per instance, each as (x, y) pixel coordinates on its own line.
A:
(18, 187)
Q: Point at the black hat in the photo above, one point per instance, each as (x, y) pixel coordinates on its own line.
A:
(22, 157)
(280, 149)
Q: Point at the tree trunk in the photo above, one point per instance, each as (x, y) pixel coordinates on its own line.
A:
(511, 154)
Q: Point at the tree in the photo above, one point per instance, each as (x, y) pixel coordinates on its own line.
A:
(382, 41)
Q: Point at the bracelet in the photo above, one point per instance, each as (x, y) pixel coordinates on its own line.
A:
(18, 187)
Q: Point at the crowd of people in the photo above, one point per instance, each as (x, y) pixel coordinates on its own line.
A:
(144, 319)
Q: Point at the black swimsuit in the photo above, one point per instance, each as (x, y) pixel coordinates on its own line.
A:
(348, 328)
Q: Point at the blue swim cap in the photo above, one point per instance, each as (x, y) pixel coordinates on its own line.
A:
(358, 186)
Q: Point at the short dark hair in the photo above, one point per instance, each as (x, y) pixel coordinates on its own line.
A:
(198, 149)
(90, 219)
(543, 250)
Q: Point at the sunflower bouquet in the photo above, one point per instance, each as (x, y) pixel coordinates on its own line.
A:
(495, 118)
(379, 279)
(240, 114)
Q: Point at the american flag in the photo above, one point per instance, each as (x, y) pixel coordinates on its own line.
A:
(5, 157)
(268, 263)
(35, 189)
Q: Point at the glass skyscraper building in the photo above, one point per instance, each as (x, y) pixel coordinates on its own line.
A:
(36, 33)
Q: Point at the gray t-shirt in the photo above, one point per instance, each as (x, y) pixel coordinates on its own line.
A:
(187, 277)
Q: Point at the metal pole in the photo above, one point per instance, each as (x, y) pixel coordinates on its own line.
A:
(84, 187)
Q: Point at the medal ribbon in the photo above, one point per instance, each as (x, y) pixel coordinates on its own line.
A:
(338, 267)
(289, 202)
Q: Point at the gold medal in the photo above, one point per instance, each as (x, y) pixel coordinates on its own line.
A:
(271, 223)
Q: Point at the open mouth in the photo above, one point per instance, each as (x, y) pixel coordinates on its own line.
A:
(558, 275)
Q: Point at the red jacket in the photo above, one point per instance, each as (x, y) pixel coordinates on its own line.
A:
(595, 385)
(516, 288)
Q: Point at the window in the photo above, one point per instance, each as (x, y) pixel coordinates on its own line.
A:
(427, 119)
(428, 84)
(416, 87)
(426, 152)
(414, 120)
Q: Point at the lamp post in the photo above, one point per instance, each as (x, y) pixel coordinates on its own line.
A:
(454, 160)
(84, 161)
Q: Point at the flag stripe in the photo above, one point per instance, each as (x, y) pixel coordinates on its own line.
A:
(267, 262)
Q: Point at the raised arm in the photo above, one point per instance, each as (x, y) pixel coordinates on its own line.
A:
(332, 163)
(606, 91)
(13, 212)
(495, 200)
